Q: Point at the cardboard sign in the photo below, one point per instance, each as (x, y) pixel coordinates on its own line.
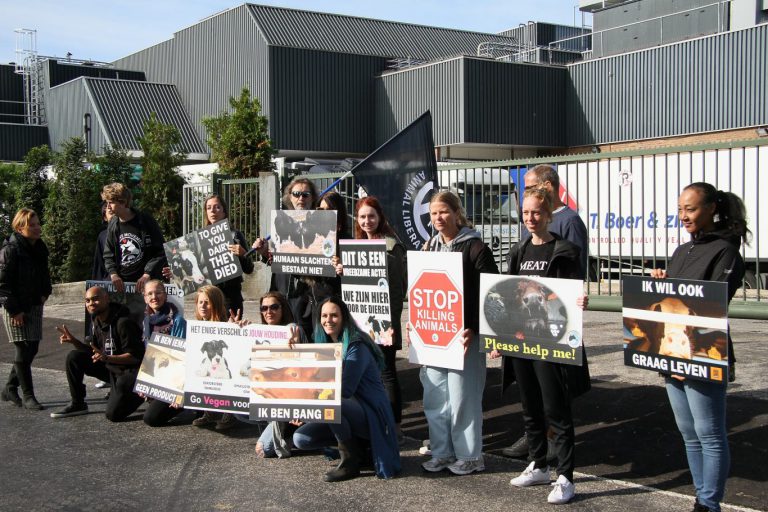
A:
(162, 372)
(302, 383)
(365, 287)
(203, 257)
(531, 317)
(436, 309)
(676, 327)
(218, 361)
(303, 242)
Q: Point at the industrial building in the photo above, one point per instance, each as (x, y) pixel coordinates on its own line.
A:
(647, 73)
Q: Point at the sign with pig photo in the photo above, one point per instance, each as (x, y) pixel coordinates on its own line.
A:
(676, 327)
(203, 257)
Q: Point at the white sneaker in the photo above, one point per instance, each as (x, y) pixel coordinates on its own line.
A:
(563, 491)
(531, 476)
(101, 385)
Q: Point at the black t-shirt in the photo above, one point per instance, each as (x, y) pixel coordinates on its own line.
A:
(132, 250)
(536, 259)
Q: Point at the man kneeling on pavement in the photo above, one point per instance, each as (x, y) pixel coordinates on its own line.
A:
(112, 353)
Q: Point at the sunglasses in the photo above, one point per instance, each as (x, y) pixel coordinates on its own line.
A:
(271, 307)
(301, 194)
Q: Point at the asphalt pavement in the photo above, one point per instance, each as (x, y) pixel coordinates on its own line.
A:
(629, 454)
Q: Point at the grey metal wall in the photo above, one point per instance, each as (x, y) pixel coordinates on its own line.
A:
(322, 101)
(67, 103)
(58, 73)
(708, 84)
(17, 139)
(476, 101)
(706, 19)
(157, 62)
(542, 34)
(404, 95)
(520, 104)
(11, 90)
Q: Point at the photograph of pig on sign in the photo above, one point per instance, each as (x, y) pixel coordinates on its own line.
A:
(677, 327)
(203, 257)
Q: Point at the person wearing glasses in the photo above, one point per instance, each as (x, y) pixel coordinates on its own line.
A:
(275, 439)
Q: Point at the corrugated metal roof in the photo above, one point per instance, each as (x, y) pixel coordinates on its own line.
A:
(125, 105)
(364, 36)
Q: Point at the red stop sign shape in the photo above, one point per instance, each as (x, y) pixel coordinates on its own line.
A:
(436, 309)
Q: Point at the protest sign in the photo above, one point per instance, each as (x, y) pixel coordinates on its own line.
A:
(218, 362)
(161, 375)
(365, 287)
(203, 257)
(133, 300)
(676, 327)
(300, 383)
(531, 317)
(436, 309)
(303, 242)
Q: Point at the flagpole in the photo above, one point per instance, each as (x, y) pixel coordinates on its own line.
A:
(330, 187)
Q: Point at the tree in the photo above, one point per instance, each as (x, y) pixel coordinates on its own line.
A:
(161, 185)
(73, 215)
(33, 185)
(9, 182)
(240, 141)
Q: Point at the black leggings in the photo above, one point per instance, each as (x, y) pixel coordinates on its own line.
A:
(25, 352)
(391, 383)
(160, 413)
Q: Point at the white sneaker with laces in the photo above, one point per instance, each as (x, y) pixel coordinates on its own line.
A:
(563, 491)
(465, 467)
(531, 476)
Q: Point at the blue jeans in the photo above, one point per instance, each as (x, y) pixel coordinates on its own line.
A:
(314, 436)
(699, 409)
(453, 405)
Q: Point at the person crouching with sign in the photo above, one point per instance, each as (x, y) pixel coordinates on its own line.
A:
(456, 437)
(163, 317)
(717, 225)
(546, 388)
(365, 410)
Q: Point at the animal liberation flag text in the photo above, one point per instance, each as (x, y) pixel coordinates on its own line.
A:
(303, 242)
(161, 376)
(365, 286)
(677, 327)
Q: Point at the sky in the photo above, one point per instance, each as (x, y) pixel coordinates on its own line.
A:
(105, 30)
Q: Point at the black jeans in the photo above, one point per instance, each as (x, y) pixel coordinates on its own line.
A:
(391, 383)
(122, 400)
(545, 400)
(25, 352)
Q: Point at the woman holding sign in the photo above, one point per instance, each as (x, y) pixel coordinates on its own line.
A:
(717, 225)
(365, 410)
(453, 399)
(546, 388)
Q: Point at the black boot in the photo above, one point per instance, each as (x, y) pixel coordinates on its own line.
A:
(10, 394)
(24, 374)
(349, 467)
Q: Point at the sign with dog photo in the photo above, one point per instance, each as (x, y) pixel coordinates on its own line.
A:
(218, 361)
(531, 317)
(303, 242)
(133, 300)
(161, 375)
(676, 327)
(203, 257)
(365, 287)
(300, 383)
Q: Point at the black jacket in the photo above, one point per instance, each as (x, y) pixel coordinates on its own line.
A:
(565, 264)
(125, 333)
(154, 255)
(24, 276)
(232, 289)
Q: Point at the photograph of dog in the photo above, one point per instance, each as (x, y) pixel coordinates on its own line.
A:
(214, 364)
(163, 367)
(674, 339)
(302, 232)
(525, 309)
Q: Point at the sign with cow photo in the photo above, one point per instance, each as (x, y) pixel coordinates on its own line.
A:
(300, 383)
(161, 375)
(676, 327)
(365, 287)
(203, 257)
(218, 363)
(303, 242)
(531, 317)
(436, 309)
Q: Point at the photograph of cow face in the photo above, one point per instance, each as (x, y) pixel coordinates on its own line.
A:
(525, 309)
(293, 374)
(303, 231)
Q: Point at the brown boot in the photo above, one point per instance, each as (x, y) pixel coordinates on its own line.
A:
(349, 467)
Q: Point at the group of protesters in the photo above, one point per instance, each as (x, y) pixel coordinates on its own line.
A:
(553, 244)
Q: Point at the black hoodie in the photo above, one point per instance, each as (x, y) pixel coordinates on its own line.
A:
(124, 333)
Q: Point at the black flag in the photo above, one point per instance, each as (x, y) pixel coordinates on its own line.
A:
(402, 174)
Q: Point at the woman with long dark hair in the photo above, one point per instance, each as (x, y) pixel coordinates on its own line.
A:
(365, 411)
(25, 285)
(716, 221)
